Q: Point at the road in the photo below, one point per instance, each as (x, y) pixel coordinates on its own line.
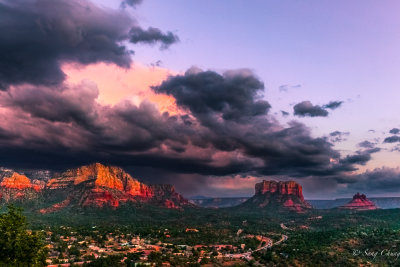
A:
(269, 244)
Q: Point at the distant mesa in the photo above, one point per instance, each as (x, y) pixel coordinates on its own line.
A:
(279, 196)
(359, 202)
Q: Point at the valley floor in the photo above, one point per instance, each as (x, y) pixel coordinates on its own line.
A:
(220, 237)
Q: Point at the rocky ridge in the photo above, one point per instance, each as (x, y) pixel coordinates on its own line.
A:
(94, 185)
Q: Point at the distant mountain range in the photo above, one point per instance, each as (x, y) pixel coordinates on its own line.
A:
(380, 202)
(220, 202)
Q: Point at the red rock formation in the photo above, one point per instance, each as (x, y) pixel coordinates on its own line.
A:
(166, 195)
(60, 183)
(92, 185)
(98, 175)
(18, 186)
(38, 185)
(99, 185)
(278, 196)
(282, 188)
(359, 202)
(99, 198)
(16, 181)
(56, 207)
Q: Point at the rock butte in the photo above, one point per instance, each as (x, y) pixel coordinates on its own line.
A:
(282, 188)
(360, 202)
(287, 195)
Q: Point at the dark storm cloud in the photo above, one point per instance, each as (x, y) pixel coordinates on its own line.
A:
(205, 94)
(394, 131)
(396, 149)
(366, 144)
(284, 113)
(392, 139)
(152, 36)
(227, 130)
(378, 181)
(307, 109)
(38, 36)
(75, 104)
(359, 158)
(132, 3)
(286, 87)
(333, 104)
(67, 125)
(338, 136)
(226, 104)
(382, 180)
(373, 150)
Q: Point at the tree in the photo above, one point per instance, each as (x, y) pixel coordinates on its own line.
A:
(18, 246)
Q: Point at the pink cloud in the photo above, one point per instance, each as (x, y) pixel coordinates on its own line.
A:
(116, 84)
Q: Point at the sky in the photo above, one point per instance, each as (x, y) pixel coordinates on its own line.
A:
(211, 96)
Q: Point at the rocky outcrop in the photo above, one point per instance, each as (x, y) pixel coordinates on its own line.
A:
(16, 181)
(56, 207)
(166, 195)
(15, 186)
(359, 202)
(278, 196)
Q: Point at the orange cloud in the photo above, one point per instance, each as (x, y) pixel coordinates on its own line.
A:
(116, 83)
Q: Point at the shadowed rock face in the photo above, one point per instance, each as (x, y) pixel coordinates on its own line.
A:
(359, 202)
(165, 195)
(279, 196)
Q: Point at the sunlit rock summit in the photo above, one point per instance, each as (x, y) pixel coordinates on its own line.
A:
(15, 186)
